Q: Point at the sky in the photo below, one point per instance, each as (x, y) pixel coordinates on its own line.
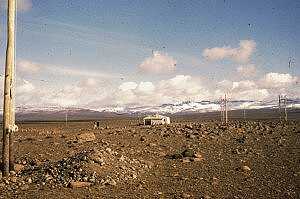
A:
(101, 53)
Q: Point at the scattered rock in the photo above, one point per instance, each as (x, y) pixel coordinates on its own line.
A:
(188, 153)
(111, 182)
(188, 126)
(185, 195)
(246, 168)
(78, 184)
(19, 167)
(186, 160)
(86, 137)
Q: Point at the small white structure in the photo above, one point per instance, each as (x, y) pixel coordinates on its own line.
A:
(156, 120)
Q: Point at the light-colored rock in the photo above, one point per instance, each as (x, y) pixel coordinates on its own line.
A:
(111, 182)
(185, 195)
(19, 167)
(86, 137)
(246, 168)
(186, 160)
(77, 184)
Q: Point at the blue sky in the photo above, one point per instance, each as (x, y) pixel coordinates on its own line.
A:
(110, 42)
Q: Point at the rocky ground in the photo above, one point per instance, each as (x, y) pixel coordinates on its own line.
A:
(187, 159)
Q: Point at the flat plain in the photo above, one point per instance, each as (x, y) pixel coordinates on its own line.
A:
(193, 157)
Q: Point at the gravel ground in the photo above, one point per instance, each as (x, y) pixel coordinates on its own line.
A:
(187, 159)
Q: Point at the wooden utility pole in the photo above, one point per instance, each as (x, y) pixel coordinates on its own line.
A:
(66, 118)
(282, 103)
(279, 106)
(224, 108)
(285, 112)
(8, 108)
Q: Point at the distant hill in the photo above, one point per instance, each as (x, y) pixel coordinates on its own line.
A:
(204, 108)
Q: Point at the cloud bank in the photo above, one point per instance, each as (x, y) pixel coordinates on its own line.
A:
(92, 93)
(158, 63)
(241, 54)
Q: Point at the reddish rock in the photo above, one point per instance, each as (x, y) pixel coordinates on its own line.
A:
(19, 167)
(78, 184)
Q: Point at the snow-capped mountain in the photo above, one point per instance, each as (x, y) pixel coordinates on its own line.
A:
(182, 107)
(201, 107)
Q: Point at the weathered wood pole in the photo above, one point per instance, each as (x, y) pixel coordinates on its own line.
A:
(8, 107)
(226, 109)
(285, 111)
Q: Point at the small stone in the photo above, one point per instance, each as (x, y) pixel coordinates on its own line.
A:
(98, 161)
(197, 159)
(86, 137)
(198, 155)
(191, 136)
(185, 195)
(122, 158)
(111, 182)
(186, 160)
(246, 168)
(29, 180)
(13, 179)
(108, 150)
(215, 181)
(134, 176)
(24, 187)
(12, 173)
(189, 126)
(92, 180)
(152, 145)
(188, 153)
(77, 184)
(85, 179)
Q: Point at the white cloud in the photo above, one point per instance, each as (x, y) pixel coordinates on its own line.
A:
(243, 85)
(242, 90)
(158, 63)
(146, 87)
(91, 93)
(89, 82)
(127, 86)
(278, 80)
(241, 54)
(22, 5)
(25, 87)
(247, 70)
(178, 88)
(29, 67)
(64, 70)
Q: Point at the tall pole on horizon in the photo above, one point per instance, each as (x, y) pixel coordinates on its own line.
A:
(285, 112)
(226, 108)
(279, 106)
(8, 107)
(66, 118)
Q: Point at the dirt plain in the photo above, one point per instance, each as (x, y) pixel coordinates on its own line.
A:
(190, 158)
